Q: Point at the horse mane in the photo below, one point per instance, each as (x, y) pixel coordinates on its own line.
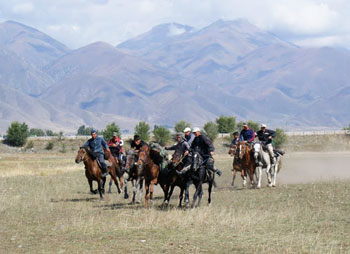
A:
(89, 152)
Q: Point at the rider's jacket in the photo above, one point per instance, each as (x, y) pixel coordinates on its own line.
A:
(116, 141)
(247, 135)
(234, 141)
(189, 138)
(96, 144)
(264, 136)
(137, 147)
(203, 145)
(181, 146)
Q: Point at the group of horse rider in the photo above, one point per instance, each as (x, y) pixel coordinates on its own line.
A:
(188, 142)
(264, 135)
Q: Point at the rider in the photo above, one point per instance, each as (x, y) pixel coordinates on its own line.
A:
(184, 148)
(235, 138)
(189, 136)
(137, 143)
(266, 137)
(205, 147)
(116, 146)
(95, 143)
(247, 134)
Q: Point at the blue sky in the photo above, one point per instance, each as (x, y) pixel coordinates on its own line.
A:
(76, 23)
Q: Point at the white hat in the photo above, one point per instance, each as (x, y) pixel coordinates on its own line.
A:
(263, 125)
(245, 124)
(187, 129)
(195, 129)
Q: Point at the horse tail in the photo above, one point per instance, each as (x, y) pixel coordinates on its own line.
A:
(279, 166)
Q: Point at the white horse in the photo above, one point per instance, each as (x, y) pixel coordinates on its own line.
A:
(262, 159)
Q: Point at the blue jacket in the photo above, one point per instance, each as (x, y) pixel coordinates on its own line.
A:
(247, 135)
(96, 145)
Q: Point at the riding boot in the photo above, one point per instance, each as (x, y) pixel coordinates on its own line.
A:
(104, 170)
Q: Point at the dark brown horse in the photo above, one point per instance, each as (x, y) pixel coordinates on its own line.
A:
(135, 175)
(151, 172)
(244, 153)
(93, 171)
(116, 171)
(236, 166)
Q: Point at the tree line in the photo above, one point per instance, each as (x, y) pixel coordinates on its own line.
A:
(18, 133)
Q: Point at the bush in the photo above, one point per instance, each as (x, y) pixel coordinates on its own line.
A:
(49, 146)
(30, 145)
(181, 125)
(161, 135)
(212, 130)
(281, 138)
(143, 130)
(84, 131)
(17, 134)
(63, 148)
(226, 124)
(36, 132)
(110, 128)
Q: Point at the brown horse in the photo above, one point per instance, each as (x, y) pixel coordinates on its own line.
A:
(236, 166)
(244, 153)
(151, 172)
(172, 179)
(135, 175)
(115, 171)
(93, 171)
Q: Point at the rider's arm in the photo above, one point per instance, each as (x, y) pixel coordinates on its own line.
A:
(104, 144)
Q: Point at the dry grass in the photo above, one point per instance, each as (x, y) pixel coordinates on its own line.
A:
(46, 208)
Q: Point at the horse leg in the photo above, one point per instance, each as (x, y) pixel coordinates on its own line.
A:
(187, 192)
(172, 187)
(234, 177)
(147, 194)
(110, 186)
(274, 177)
(244, 177)
(181, 196)
(103, 185)
(126, 196)
(90, 184)
(259, 177)
(140, 191)
(113, 176)
(99, 184)
(209, 191)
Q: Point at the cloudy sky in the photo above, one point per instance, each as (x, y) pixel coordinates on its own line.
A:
(80, 22)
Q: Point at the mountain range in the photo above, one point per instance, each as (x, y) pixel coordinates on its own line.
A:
(170, 73)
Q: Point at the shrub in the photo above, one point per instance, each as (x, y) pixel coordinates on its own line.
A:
(30, 145)
(110, 128)
(161, 135)
(63, 148)
(143, 130)
(212, 130)
(49, 146)
(226, 124)
(281, 138)
(17, 134)
(36, 132)
(181, 125)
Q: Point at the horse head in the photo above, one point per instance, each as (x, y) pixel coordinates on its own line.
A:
(256, 149)
(131, 157)
(232, 150)
(197, 160)
(143, 160)
(177, 157)
(80, 155)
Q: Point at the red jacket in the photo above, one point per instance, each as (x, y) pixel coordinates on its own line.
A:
(115, 141)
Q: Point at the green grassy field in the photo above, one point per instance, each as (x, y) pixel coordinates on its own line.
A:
(46, 207)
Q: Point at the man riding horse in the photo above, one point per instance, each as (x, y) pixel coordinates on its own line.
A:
(137, 143)
(116, 146)
(96, 144)
(247, 134)
(183, 147)
(189, 136)
(205, 147)
(266, 138)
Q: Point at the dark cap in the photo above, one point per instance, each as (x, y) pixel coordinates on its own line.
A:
(93, 131)
(136, 137)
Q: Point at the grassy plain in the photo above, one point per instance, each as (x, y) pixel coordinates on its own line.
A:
(45, 207)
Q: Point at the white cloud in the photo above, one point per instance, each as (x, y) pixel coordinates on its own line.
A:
(79, 22)
(23, 8)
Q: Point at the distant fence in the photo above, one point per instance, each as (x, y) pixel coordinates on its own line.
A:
(317, 133)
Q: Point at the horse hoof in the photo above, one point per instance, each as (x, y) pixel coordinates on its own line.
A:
(138, 202)
(126, 196)
(273, 185)
(109, 192)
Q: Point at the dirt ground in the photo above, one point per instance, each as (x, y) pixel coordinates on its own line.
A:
(309, 167)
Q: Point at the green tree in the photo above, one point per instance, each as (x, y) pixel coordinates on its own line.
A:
(36, 132)
(50, 133)
(110, 128)
(181, 125)
(252, 124)
(143, 130)
(281, 138)
(226, 124)
(17, 134)
(49, 146)
(84, 131)
(161, 135)
(211, 130)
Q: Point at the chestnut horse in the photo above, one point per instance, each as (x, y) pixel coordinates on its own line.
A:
(151, 172)
(245, 154)
(93, 171)
(236, 166)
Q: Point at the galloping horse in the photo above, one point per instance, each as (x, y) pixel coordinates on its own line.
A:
(198, 176)
(174, 179)
(118, 171)
(236, 166)
(135, 175)
(151, 172)
(264, 162)
(93, 171)
(246, 157)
